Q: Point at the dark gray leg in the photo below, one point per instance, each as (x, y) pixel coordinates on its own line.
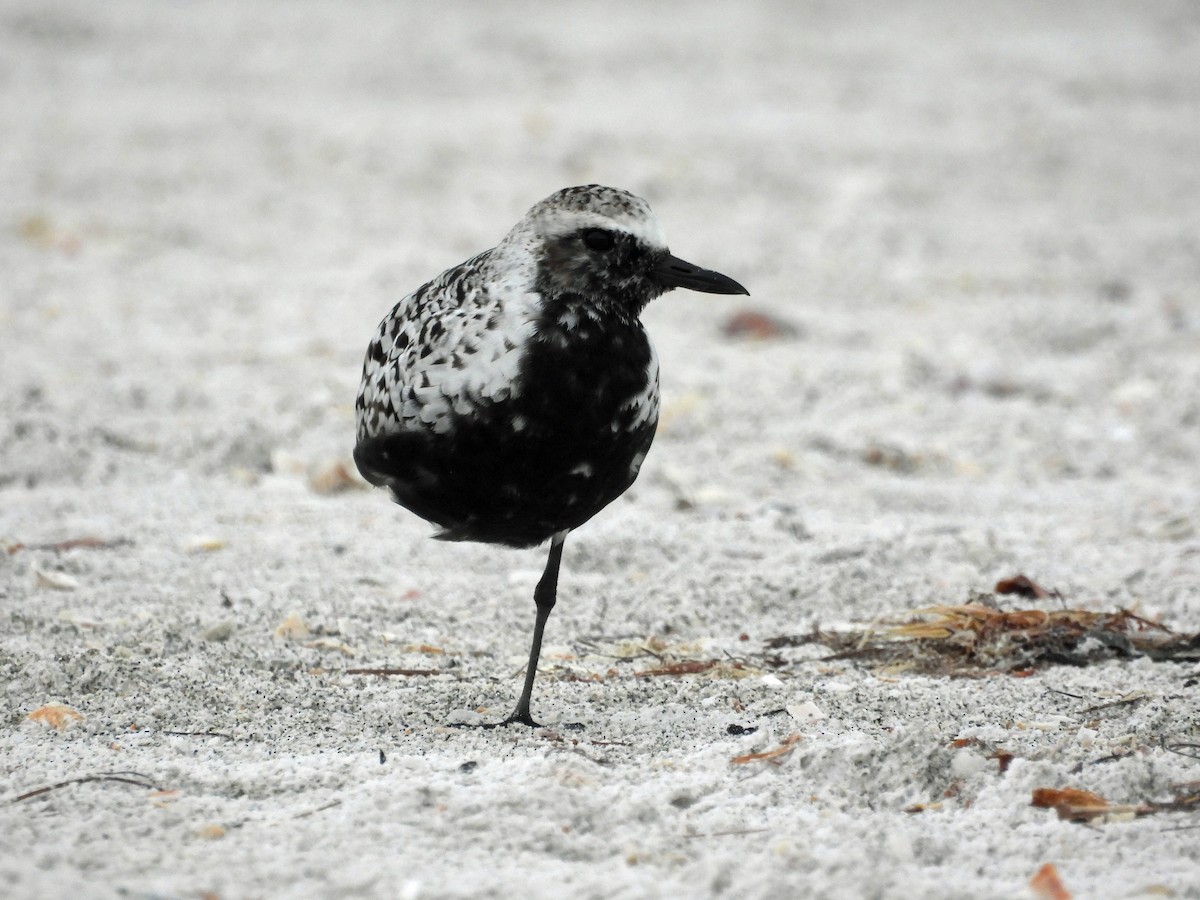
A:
(544, 596)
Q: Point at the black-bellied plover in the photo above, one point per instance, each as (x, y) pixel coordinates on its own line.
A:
(513, 397)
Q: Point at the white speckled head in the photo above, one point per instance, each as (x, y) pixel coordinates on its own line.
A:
(591, 241)
(601, 245)
(592, 206)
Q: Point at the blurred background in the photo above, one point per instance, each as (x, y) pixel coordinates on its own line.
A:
(970, 231)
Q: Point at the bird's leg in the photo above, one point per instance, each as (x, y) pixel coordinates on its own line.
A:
(543, 596)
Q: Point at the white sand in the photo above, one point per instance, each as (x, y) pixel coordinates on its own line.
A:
(983, 220)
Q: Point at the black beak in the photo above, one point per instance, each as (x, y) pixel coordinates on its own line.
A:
(673, 272)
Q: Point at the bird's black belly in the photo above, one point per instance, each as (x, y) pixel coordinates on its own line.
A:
(565, 444)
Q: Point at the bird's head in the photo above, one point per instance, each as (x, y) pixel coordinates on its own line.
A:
(606, 246)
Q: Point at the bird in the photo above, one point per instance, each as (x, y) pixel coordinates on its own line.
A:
(511, 398)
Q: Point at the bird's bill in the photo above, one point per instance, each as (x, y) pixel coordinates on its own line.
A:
(673, 272)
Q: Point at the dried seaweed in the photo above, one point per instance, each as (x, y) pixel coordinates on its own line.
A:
(977, 638)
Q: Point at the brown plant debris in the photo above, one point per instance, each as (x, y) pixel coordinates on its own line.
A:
(775, 755)
(1023, 586)
(718, 668)
(758, 325)
(1046, 885)
(334, 478)
(79, 543)
(56, 715)
(975, 638)
(1075, 805)
(1003, 758)
(923, 807)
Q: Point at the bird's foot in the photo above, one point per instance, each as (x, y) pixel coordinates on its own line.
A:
(523, 719)
(520, 717)
(517, 718)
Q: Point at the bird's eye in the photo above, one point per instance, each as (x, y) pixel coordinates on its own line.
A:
(598, 239)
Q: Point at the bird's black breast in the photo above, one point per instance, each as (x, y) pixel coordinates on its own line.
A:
(566, 442)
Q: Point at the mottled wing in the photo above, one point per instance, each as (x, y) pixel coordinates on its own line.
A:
(443, 350)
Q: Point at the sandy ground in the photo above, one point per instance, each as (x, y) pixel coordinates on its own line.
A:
(983, 222)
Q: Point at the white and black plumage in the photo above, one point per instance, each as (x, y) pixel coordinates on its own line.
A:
(513, 397)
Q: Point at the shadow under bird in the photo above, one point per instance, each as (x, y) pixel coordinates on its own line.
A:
(515, 396)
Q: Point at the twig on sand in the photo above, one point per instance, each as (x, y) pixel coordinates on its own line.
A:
(134, 778)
